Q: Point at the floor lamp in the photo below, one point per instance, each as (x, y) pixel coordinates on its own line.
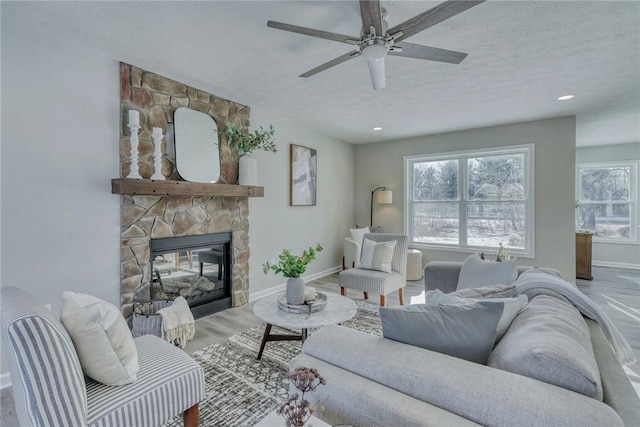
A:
(384, 197)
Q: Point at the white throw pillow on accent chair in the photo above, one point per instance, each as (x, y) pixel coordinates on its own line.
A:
(101, 337)
(377, 255)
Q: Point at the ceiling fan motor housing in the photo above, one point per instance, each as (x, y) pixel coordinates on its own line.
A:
(375, 48)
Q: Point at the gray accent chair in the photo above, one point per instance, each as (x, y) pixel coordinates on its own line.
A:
(380, 282)
(49, 387)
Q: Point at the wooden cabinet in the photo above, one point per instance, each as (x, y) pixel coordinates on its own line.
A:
(583, 256)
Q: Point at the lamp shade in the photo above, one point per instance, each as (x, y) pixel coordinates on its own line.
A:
(384, 197)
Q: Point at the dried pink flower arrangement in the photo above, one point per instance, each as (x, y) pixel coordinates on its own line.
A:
(297, 410)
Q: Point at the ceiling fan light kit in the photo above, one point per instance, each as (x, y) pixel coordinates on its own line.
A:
(379, 41)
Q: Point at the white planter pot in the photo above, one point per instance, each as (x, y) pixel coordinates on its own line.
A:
(248, 170)
(295, 291)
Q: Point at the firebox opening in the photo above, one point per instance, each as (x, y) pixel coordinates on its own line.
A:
(198, 268)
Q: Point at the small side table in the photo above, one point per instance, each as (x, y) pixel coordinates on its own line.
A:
(414, 264)
(338, 309)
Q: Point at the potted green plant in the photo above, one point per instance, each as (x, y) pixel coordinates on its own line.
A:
(247, 143)
(292, 267)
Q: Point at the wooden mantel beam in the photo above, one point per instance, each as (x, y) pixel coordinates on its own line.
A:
(182, 188)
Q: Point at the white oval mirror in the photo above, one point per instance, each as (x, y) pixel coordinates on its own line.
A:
(197, 147)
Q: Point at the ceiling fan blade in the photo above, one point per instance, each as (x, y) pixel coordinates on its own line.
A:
(432, 17)
(314, 33)
(371, 16)
(410, 50)
(376, 70)
(339, 60)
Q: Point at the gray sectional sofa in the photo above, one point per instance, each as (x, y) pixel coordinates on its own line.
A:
(374, 381)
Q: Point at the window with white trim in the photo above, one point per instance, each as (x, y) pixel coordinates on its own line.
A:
(471, 200)
(607, 200)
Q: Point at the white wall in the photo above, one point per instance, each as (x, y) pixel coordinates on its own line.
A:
(60, 222)
(612, 254)
(382, 165)
(275, 225)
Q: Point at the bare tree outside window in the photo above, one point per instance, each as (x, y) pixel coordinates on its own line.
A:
(605, 200)
(470, 199)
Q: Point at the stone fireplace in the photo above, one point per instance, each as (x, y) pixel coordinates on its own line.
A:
(152, 210)
(150, 219)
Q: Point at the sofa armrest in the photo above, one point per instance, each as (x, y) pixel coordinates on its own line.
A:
(351, 257)
(442, 275)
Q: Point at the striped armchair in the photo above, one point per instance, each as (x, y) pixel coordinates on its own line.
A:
(50, 389)
(379, 282)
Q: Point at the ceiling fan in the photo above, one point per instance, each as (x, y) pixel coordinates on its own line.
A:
(378, 40)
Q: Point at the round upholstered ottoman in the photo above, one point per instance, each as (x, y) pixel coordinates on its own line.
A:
(414, 264)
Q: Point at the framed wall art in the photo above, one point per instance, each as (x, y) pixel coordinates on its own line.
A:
(303, 171)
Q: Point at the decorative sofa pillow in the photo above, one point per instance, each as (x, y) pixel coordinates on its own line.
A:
(466, 331)
(101, 337)
(357, 234)
(550, 341)
(512, 306)
(377, 255)
(476, 272)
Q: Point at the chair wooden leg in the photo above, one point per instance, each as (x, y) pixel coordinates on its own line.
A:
(383, 300)
(366, 295)
(401, 295)
(344, 267)
(190, 416)
(343, 291)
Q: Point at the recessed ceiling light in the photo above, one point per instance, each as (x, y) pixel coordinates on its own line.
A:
(565, 97)
(377, 128)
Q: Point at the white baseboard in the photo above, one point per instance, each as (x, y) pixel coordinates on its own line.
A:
(616, 265)
(254, 296)
(5, 380)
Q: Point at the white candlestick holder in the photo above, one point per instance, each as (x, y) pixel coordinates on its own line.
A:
(157, 154)
(133, 140)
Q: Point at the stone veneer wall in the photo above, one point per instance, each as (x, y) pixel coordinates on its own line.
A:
(146, 217)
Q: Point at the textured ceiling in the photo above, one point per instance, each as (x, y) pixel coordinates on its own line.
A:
(522, 56)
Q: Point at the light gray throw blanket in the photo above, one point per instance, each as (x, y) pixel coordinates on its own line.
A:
(539, 279)
(178, 325)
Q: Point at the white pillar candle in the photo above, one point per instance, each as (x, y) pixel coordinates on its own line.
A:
(309, 293)
(134, 117)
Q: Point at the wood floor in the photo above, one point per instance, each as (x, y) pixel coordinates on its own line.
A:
(616, 291)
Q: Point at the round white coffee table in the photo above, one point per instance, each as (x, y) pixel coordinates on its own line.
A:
(338, 309)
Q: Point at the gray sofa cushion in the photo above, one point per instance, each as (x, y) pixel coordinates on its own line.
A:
(466, 331)
(476, 272)
(512, 306)
(492, 291)
(550, 341)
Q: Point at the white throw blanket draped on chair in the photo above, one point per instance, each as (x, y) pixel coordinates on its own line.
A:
(533, 279)
(178, 324)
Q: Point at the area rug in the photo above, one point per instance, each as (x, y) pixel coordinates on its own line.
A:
(240, 390)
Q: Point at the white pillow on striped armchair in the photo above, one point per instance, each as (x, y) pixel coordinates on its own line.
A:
(101, 337)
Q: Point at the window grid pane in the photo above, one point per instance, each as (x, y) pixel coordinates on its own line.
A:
(436, 222)
(435, 180)
(492, 223)
(498, 177)
(605, 184)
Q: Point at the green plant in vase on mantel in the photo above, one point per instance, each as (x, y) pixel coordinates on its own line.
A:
(246, 143)
(292, 267)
